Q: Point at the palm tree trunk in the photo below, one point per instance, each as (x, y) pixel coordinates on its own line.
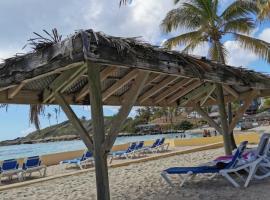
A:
(231, 136)
(233, 143)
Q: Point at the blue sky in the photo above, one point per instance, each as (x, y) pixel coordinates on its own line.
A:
(18, 19)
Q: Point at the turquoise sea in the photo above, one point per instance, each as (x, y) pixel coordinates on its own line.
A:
(25, 150)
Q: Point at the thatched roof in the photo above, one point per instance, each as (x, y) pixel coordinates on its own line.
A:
(175, 79)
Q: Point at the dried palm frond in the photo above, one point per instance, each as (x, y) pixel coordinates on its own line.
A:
(41, 42)
(4, 105)
(34, 112)
(124, 2)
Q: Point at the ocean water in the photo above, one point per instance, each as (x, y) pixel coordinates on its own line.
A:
(26, 150)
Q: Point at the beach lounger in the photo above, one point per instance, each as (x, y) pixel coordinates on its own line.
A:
(158, 145)
(124, 154)
(138, 150)
(9, 168)
(33, 164)
(186, 173)
(86, 159)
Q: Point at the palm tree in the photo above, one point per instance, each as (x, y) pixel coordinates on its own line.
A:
(206, 25)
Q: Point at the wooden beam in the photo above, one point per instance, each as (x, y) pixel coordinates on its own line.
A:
(208, 95)
(232, 91)
(127, 105)
(118, 84)
(12, 92)
(172, 89)
(223, 119)
(241, 111)
(197, 92)
(205, 116)
(102, 178)
(103, 75)
(86, 138)
(153, 77)
(183, 92)
(63, 81)
(155, 89)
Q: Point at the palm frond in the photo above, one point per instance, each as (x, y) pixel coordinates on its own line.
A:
(239, 9)
(124, 2)
(263, 9)
(257, 46)
(34, 112)
(4, 105)
(41, 42)
(183, 39)
(240, 25)
(186, 16)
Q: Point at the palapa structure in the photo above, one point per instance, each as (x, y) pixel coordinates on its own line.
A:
(91, 68)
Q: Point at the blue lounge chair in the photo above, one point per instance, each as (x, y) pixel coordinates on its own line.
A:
(86, 159)
(186, 173)
(123, 154)
(9, 168)
(158, 145)
(33, 164)
(153, 146)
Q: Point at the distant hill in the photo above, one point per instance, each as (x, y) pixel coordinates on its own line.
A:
(60, 132)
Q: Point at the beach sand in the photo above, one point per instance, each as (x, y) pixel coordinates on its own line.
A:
(142, 181)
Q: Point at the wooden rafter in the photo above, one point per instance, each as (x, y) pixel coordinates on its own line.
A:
(172, 89)
(241, 111)
(208, 95)
(103, 75)
(232, 91)
(183, 92)
(127, 105)
(118, 84)
(153, 77)
(197, 92)
(155, 89)
(62, 82)
(12, 92)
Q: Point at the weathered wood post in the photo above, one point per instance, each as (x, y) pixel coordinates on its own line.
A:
(224, 120)
(102, 179)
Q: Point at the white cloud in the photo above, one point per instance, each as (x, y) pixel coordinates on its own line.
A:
(265, 35)
(237, 55)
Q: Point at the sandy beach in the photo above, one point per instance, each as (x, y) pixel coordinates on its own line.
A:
(142, 181)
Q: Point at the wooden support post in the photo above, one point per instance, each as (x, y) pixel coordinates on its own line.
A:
(103, 75)
(242, 110)
(128, 103)
(223, 119)
(74, 120)
(102, 178)
(210, 121)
